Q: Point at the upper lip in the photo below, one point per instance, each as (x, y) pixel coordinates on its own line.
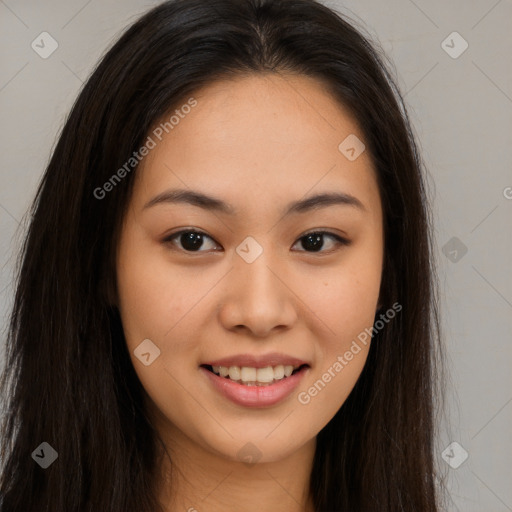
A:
(253, 361)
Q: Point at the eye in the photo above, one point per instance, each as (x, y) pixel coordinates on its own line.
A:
(314, 241)
(192, 240)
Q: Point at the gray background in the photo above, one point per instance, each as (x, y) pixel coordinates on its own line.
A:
(461, 109)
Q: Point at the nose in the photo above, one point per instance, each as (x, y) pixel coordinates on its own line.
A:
(258, 297)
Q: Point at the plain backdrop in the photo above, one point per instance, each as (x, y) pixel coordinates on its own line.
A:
(460, 103)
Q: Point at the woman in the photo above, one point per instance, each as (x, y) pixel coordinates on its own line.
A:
(226, 296)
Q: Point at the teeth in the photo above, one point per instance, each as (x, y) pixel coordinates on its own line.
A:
(264, 374)
(255, 376)
(247, 374)
(279, 372)
(234, 373)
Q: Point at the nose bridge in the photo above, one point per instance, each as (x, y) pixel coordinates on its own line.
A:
(258, 295)
(256, 266)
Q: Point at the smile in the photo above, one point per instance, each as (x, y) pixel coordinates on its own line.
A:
(276, 385)
(250, 376)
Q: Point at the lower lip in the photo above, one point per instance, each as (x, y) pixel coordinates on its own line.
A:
(255, 396)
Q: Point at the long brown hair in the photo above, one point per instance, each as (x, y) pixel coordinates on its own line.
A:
(69, 380)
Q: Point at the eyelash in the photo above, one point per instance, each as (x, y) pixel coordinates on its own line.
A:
(340, 240)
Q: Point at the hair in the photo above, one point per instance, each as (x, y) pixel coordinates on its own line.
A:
(68, 378)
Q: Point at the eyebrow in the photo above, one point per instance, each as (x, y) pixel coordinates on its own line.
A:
(210, 203)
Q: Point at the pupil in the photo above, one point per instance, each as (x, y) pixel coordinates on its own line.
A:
(191, 241)
(316, 242)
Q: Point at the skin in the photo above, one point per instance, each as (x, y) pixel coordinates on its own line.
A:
(257, 142)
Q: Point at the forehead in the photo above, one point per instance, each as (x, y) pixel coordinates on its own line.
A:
(264, 133)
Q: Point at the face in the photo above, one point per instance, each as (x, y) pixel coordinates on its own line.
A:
(248, 277)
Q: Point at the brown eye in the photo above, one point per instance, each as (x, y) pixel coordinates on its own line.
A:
(314, 241)
(190, 240)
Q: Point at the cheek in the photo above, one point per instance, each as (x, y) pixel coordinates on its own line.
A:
(345, 302)
(346, 299)
(153, 304)
(327, 390)
(151, 298)
(347, 306)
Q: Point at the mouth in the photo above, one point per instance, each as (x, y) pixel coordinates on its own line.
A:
(251, 376)
(248, 386)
